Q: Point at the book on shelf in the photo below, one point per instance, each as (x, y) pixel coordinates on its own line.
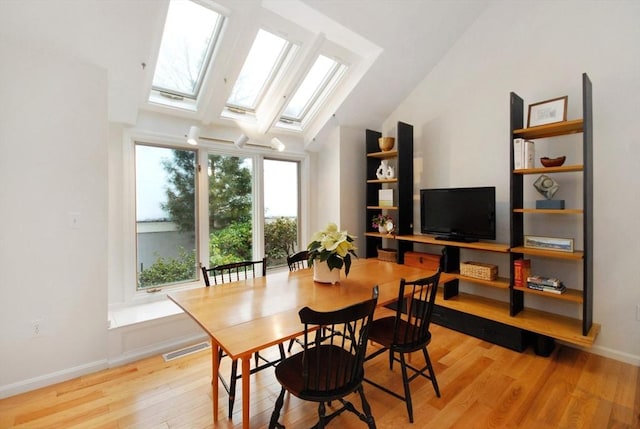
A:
(517, 153)
(524, 154)
(385, 197)
(521, 271)
(528, 154)
(551, 289)
(544, 281)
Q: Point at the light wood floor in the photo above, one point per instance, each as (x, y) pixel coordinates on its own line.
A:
(482, 386)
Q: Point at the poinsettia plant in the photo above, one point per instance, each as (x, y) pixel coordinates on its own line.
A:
(332, 246)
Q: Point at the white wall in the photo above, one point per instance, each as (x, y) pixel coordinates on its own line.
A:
(337, 193)
(352, 199)
(539, 50)
(53, 141)
(326, 184)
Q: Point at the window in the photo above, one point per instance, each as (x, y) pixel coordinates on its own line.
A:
(230, 185)
(281, 208)
(165, 215)
(190, 34)
(265, 59)
(171, 190)
(324, 72)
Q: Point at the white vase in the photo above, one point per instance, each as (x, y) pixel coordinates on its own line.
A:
(390, 173)
(381, 172)
(382, 229)
(322, 273)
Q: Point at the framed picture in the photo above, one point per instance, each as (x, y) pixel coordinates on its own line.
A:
(549, 243)
(548, 112)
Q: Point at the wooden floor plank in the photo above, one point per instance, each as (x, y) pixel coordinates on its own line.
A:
(482, 386)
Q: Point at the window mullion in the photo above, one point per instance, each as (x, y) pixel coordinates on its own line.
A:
(203, 209)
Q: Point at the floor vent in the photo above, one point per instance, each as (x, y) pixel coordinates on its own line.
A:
(185, 351)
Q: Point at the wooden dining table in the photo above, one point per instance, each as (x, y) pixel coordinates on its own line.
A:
(250, 315)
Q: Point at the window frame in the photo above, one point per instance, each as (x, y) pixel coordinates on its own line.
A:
(173, 98)
(279, 69)
(321, 92)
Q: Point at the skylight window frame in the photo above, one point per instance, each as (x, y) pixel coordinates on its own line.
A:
(320, 93)
(278, 70)
(176, 98)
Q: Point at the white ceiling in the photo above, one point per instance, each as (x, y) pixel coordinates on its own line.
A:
(119, 35)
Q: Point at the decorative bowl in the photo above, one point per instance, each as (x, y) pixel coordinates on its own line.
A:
(552, 162)
(386, 143)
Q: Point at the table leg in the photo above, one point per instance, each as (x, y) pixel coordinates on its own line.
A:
(246, 379)
(215, 369)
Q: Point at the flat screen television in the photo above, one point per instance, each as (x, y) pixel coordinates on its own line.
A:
(459, 214)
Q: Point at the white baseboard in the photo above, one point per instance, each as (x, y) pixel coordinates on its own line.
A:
(608, 353)
(155, 349)
(52, 378)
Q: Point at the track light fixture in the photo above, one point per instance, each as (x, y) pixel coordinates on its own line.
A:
(194, 135)
(241, 141)
(277, 144)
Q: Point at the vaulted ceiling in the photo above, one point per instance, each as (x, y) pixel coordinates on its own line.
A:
(404, 39)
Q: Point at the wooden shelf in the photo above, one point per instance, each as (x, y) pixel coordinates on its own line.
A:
(382, 208)
(572, 295)
(547, 170)
(499, 283)
(550, 211)
(541, 322)
(380, 235)
(383, 155)
(577, 255)
(550, 130)
(382, 180)
(478, 245)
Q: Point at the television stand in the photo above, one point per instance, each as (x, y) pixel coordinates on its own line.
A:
(455, 239)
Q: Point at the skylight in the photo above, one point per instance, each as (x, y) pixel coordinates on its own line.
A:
(191, 32)
(315, 85)
(265, 59)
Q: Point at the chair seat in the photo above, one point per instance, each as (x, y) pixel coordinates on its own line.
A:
(288, 373)
(382, 332)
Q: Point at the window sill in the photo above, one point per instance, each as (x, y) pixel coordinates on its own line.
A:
(141, 313)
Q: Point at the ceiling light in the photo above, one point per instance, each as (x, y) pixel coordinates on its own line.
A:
(241, 141)
(277, 144)
(194, 134)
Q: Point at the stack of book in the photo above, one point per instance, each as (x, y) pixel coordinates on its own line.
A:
(545, 284)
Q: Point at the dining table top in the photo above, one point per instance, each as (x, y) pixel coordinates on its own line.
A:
(249, 315)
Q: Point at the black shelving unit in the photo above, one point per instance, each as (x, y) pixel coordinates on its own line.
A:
(518, 212)
(402, 185)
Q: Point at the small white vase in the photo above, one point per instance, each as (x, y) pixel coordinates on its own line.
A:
(391, 173)
(381, 172)
(381, 228)
(322, 273)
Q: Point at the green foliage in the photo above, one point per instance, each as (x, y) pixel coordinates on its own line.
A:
(280, 238)
(229, 192)
(231, 244)
(164, 271)
(181, 200)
